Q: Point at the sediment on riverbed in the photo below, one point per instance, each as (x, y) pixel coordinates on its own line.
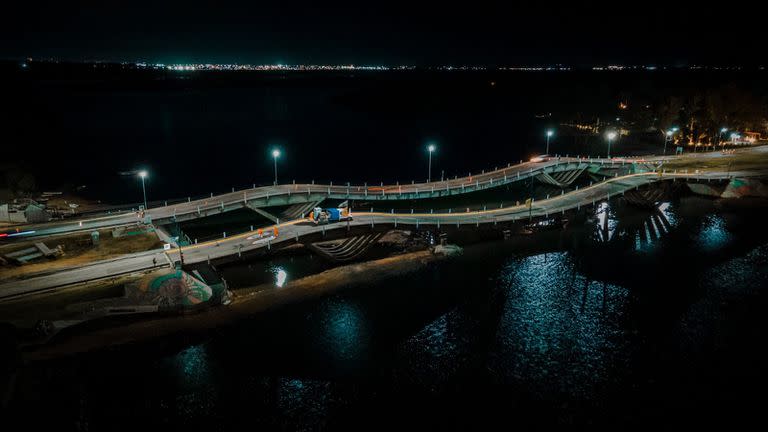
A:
(247, 303)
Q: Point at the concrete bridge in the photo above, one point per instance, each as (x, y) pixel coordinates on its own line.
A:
(556, 171)
(364, 222)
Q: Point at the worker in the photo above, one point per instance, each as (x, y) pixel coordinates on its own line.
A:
(154, 261)
(260, 232)
(275, 230)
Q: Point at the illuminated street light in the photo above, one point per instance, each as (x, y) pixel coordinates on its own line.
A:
(667, 139)
(722, 141)
(550, 132)
(610, 136)
(143, 174)
(431, 148)
(275, 155)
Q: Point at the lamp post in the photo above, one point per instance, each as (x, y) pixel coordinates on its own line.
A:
(143, 175)
(431, 148)
(666, 140)
(674, 131)
(550, 132)
(722, 141)
(275, 155)
(610, 136)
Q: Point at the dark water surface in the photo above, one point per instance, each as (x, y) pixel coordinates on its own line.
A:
(641, 324)
(198, 133)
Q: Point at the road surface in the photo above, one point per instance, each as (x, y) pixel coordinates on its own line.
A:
(295, 230)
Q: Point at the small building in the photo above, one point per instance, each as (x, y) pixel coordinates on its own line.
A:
(751, 137)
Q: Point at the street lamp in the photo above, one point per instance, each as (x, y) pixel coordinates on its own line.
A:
(550, 132)
(610, 136)
(431, 148)
(722, 131)
(666, 140)
(275, 155)
(143, 174)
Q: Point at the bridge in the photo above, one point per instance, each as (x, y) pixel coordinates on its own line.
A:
(556, 171)
(301, 230)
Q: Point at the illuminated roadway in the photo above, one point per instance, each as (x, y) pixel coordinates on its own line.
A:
(288, 194)
(294, 230)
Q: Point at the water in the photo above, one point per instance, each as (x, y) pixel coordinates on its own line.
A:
(202, 133)
(580, 327)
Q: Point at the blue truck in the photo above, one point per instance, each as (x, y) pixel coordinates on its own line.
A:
(322, 216)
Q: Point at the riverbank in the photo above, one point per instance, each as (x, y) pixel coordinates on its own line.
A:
(246, 303)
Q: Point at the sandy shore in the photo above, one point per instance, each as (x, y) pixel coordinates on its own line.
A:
(247, 302)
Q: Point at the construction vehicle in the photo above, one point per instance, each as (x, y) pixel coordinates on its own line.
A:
(321, 216)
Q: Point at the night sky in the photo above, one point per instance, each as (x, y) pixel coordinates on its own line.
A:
(420, 33)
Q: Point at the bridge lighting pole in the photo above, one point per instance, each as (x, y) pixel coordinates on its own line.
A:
(610, 136)
(143, 175)
(666, 140)
(431, 148)
(550, 132)
(275, 155)
(722, 142)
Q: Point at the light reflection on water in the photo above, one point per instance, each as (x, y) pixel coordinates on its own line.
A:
(280, 276)
(342, 329)
(713, 234)
(533, 327)
(193, 365)
(303, 400)
(558, 330)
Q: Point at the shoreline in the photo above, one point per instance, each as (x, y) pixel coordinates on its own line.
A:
(247, 302)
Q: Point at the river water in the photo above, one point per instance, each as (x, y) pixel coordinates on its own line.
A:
(627, 318)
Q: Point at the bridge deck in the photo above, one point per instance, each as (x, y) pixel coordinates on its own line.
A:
(295, 230)
(267, 196)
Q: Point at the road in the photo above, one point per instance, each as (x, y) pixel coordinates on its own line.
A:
(267, 196)
(294, 230)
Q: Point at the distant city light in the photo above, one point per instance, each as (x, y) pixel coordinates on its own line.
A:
(275, 67)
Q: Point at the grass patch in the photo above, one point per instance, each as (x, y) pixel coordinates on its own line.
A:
(734, 162)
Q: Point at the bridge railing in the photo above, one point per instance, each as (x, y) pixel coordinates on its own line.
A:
(398, 191)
